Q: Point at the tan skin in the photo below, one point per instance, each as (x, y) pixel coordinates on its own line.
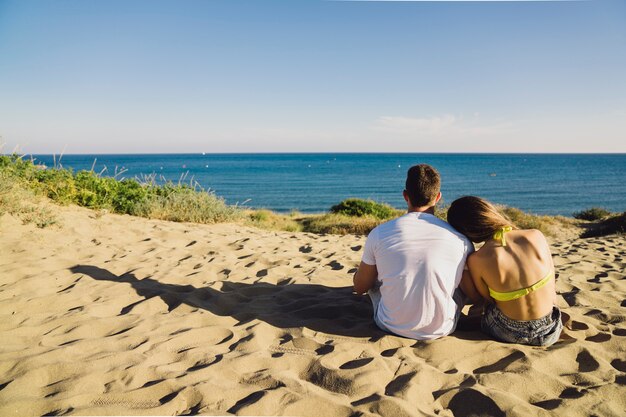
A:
(525, 260)
(366, 275)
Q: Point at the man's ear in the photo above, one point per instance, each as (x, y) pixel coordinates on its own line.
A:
(405, 195)
(438, 197)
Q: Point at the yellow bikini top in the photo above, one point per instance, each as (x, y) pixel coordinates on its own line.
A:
(499, 235)
(514, 295)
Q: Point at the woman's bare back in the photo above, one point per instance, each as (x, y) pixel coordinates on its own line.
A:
(524, 261)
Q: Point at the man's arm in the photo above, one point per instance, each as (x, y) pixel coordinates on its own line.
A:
(364, 278)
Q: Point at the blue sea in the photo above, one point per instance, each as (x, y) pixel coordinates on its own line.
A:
(311, 183)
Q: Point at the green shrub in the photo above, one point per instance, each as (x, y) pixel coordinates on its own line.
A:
(340, 224)
(129, 194)
(592, 214)
(94, 191)
(358, 208)
(614, 224)
(57, 184)
(85, 188)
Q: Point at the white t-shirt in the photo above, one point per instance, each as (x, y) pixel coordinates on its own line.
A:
(420, 261)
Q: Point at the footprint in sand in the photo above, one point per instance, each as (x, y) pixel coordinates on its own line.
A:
(599, 338)
(151, 383)
(389, 352)
(572, 393)
(596, 279)
(577, 325)
(501, 364)
(67, 288)
(335, 266)
(586, 362)
(548, 404)
(306, 249)
(205, 363)
(399, 383)
(618, 364)
(469, 402)
(570, 296)
(619, 332)
(356, 363)
(605, 318)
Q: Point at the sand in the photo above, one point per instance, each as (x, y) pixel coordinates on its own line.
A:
(117, 315)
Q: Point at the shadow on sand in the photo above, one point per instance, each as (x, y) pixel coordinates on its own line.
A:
(329, 310)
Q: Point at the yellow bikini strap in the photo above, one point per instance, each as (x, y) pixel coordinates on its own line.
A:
(499, 235)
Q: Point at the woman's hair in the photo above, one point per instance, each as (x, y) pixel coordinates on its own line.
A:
(476, 218)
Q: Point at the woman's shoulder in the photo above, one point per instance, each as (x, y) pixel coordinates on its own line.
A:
(475, 259)
(532, 235)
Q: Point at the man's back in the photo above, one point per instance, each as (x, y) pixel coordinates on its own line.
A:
(420, 261)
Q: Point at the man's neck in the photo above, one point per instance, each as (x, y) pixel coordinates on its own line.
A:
(425, 209)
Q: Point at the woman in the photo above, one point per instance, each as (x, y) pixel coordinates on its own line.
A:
(512, 271)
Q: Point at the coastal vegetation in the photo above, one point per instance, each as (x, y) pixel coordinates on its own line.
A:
(592, 214)
(356, 207)
(26, 188)
(612, 224)
(176, 202)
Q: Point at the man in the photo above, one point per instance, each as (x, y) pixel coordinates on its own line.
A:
(412, 266)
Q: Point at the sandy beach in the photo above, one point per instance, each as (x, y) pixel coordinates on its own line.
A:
(107, 314)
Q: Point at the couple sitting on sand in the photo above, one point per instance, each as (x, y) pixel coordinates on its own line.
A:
(420, 271)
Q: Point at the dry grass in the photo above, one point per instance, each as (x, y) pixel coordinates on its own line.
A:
(186, 205)
(22, 184)
(20, 201)
(339, 224)
(612, 225)
(548, 225)
(269, 220)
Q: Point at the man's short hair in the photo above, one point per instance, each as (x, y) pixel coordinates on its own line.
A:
(422, 185)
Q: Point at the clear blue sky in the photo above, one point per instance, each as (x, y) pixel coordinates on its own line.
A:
(297, 76)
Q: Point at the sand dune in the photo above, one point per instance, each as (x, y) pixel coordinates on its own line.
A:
(116, 315)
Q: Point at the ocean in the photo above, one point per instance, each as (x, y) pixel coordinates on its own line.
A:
(554, 184)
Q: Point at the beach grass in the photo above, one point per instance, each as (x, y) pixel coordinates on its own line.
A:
(339, 224)
(176, 202)
(269, 220)
(615, 224)
(548, 225)
(591, 214)
(23, 185)
(20, 200)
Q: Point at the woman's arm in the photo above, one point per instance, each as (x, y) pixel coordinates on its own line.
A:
(476, 272)
(468, 287)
